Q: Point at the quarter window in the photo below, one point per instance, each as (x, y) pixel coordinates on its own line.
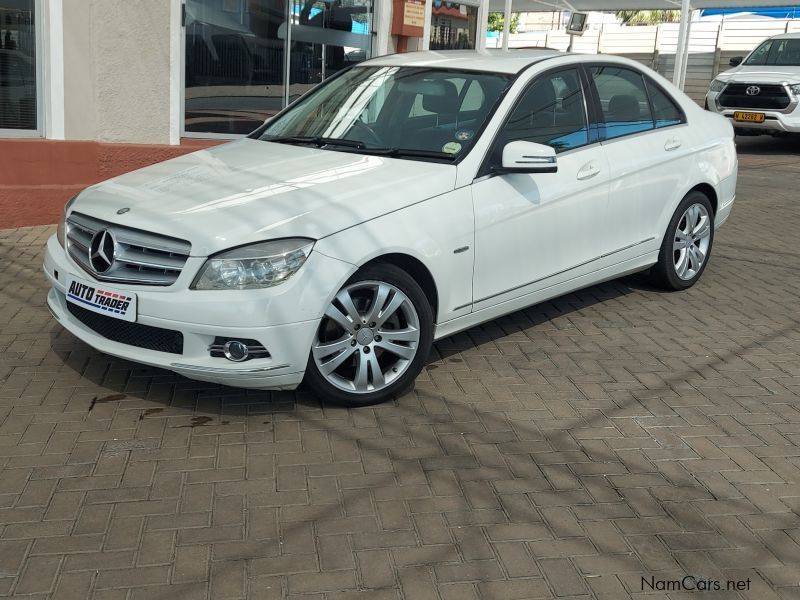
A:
(551, 111)
(623, 100)
(665, 111)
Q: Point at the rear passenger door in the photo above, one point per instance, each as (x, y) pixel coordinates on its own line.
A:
(644, 135)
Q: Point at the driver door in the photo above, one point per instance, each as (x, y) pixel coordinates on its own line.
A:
(536, 230)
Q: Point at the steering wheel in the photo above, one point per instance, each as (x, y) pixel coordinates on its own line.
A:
(360, 126)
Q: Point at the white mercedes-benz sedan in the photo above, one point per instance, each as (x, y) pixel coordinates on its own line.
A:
(401, 201)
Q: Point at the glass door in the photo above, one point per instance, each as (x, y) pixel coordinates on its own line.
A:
(326, 36)
(236, 67)
(234, 64)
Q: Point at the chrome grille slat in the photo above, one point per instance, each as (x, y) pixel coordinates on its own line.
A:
(141, 257)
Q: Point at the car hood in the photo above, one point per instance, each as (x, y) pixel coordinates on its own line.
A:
(761, 74)
(249, 190)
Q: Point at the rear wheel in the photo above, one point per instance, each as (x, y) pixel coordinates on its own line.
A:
(373, 340)
(687, 244)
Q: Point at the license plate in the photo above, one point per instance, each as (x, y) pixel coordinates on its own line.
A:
(748, 117)
(102, 299)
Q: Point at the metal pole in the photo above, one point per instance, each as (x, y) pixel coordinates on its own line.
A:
(483, 25)
(426, 28)
(506, 24)
(682, 51)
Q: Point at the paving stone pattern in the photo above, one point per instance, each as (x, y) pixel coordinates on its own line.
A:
(569, 450)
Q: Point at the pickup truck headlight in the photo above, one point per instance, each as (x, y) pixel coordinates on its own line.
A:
(717, 86)
(61, 231)
(795, 87)
(259, 265)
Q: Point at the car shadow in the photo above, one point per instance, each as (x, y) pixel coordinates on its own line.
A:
(767, 145)
(63, 345)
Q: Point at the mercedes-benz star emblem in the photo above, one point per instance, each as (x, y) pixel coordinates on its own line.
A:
(101, 251)
(752, 90)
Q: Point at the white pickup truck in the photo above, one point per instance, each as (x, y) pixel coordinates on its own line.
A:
(761, 94)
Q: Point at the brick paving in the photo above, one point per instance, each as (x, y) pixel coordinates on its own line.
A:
(569, 450)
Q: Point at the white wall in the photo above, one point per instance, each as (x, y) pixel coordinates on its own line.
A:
(117, 70)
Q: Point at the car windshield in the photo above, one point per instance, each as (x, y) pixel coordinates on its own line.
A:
(405, 112)
(784, 52)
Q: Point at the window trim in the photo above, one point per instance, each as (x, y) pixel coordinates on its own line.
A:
(39, 47)
(647, 82)
(485, 168)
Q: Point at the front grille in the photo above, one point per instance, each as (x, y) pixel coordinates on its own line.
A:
(132, 334)
(140, 257)
(770, 97)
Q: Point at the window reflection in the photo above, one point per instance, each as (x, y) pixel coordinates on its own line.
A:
(453, 26)
(17, 65)
(236, 68)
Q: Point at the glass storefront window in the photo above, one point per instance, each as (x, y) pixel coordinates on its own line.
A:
(17, 65)
(454, 26)
(236, 65)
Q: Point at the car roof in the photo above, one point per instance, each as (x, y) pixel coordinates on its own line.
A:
(784, 36)
(491, 60)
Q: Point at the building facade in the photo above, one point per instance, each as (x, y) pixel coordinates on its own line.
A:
(92, 88)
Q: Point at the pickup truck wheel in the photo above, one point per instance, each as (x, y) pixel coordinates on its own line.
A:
(373, 340)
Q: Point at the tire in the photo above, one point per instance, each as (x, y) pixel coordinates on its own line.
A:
(373, 340)
(686, 247)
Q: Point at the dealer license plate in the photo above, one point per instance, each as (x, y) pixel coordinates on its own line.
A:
(102, 299)
(748, 117)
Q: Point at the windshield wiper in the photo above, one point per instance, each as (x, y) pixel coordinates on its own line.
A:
(401, 152)
(318, 141)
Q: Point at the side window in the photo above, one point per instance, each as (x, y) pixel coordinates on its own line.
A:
(665, 111)
(623, 100)
(551, 111)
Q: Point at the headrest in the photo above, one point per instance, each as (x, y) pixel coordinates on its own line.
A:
(440, 97)
(624, 107)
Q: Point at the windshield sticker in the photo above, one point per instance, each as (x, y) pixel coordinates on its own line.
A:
(462, 135)
(451, 148)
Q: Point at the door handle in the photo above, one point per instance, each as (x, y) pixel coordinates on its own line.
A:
(672, 144)
(588, 170)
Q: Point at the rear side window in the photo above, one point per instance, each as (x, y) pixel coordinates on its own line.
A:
(665, 111)
(623, 100)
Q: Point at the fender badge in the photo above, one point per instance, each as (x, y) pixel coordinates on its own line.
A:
(122, 211)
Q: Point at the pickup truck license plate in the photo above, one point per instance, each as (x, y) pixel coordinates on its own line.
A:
(748, 117)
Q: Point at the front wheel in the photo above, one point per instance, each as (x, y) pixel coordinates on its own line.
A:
(687, 244)
(373, 340)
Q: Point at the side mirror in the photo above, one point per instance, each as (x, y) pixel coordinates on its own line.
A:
(528, 157)
(736, 61)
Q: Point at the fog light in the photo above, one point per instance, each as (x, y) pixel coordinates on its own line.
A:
(235, 350)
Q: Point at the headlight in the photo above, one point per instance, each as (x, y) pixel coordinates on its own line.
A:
(795, 87)
(255, 266)
(717, 86)
(61, 232)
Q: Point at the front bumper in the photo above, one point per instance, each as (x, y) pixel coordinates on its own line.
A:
(774, 121)
(200, 316)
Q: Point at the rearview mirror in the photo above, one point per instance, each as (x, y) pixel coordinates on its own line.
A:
(528, 157)
(736, 61)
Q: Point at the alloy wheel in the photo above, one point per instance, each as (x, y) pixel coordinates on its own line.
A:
(691, 242)
(368, 337)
